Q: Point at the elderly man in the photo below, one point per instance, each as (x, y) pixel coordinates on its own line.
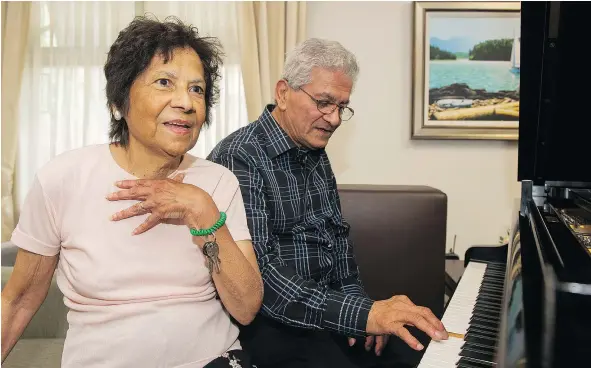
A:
(313, 296)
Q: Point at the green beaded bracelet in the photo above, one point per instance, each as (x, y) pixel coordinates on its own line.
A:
(211, 230)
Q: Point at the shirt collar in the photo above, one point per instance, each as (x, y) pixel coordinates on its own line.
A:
(278, 142)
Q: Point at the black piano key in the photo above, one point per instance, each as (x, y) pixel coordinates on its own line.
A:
(484, 290)
(494, 300)
(477, 314)
(477, 355)
(487, 305)
(493, 283)
(482, 326)
(482, 311)
(483, 335)
(480, 340)
(491, 289)
(488, 299)
(480, 331)
(488, 296)
(492, 292)
(478, 347)
(466, 363)
(484, 322)
(493, 280)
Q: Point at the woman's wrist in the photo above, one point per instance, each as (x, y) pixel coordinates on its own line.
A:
(203, 219)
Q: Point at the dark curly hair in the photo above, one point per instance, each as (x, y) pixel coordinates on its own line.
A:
(132, 52)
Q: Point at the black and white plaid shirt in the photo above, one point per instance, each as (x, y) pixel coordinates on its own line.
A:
(299, 235)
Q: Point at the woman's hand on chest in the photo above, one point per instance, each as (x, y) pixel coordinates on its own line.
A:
(167, 200)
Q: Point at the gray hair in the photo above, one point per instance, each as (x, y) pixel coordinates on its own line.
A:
(315, 52)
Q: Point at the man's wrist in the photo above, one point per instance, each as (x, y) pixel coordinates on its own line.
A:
(346, 313)
(372, 319)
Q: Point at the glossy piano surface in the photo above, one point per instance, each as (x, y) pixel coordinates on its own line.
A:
(532, 310)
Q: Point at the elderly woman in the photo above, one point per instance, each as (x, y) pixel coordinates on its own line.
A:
(155, 257)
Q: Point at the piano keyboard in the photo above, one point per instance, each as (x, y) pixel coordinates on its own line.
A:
(472, 319)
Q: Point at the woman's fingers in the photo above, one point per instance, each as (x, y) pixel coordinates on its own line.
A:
(137, 209)
(127, 184)
(150, 222)
(179, 177)
(131, 193)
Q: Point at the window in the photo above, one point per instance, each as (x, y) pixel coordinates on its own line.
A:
(63, 105)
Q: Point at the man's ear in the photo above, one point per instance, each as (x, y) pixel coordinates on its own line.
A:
(281, 94)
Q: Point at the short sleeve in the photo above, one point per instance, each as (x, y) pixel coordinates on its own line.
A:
(236, 214)
(36, 230)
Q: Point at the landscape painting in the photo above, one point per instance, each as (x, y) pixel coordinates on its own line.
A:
(467, 71)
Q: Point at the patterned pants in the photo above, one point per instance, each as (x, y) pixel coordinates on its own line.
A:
(231, 359)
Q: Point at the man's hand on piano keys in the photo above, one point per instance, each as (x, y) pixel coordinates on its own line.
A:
(388, 317)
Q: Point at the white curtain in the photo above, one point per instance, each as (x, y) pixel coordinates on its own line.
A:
(63, 103)
(217, 19)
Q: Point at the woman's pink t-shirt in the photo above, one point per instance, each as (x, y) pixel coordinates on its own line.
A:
(134, 301)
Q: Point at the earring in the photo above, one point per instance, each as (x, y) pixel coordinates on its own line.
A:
(117, 115)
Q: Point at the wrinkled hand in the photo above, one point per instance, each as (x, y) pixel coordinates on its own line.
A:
(388, 317)
(380, 341)
(164, 199)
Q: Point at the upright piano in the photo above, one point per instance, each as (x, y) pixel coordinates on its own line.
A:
(528, 303)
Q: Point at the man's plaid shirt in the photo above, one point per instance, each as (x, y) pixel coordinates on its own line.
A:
(299, 235)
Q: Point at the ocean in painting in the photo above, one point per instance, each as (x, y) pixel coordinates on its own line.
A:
(492, 76)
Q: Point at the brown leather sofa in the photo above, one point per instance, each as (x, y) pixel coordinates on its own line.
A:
(399, 234)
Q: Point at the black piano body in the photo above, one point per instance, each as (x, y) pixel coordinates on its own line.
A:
(546, 308)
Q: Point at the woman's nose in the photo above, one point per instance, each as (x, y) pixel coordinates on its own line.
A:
(182, 100)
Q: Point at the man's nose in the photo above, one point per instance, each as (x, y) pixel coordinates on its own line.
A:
(334, 118)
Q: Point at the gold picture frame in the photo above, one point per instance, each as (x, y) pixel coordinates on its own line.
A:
(464, 81)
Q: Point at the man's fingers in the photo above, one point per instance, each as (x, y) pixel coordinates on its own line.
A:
(381, 341)
(409, 339)
(150, 222)
(422, 324)
(137, 209)
(351, 341)
(430, 317)
(369, 342)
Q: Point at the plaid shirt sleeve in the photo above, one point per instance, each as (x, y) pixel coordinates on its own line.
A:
(349, 280)
(288, 298)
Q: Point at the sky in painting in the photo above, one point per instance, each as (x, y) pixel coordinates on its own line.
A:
(475, 29)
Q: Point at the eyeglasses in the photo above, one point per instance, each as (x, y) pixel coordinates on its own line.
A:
(326, 107)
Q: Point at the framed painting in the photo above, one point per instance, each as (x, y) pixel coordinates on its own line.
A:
(466, 63)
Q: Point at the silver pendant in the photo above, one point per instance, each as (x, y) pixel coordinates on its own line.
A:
(211, 250)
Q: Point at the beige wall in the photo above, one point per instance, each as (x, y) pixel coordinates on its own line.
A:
(479, 178)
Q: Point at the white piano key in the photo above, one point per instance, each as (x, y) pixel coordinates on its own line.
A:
(442, 354)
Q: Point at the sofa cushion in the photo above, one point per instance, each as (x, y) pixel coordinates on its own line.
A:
(35, 353)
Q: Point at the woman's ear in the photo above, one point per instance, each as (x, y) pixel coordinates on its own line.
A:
(116, 112)
(281, 94)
